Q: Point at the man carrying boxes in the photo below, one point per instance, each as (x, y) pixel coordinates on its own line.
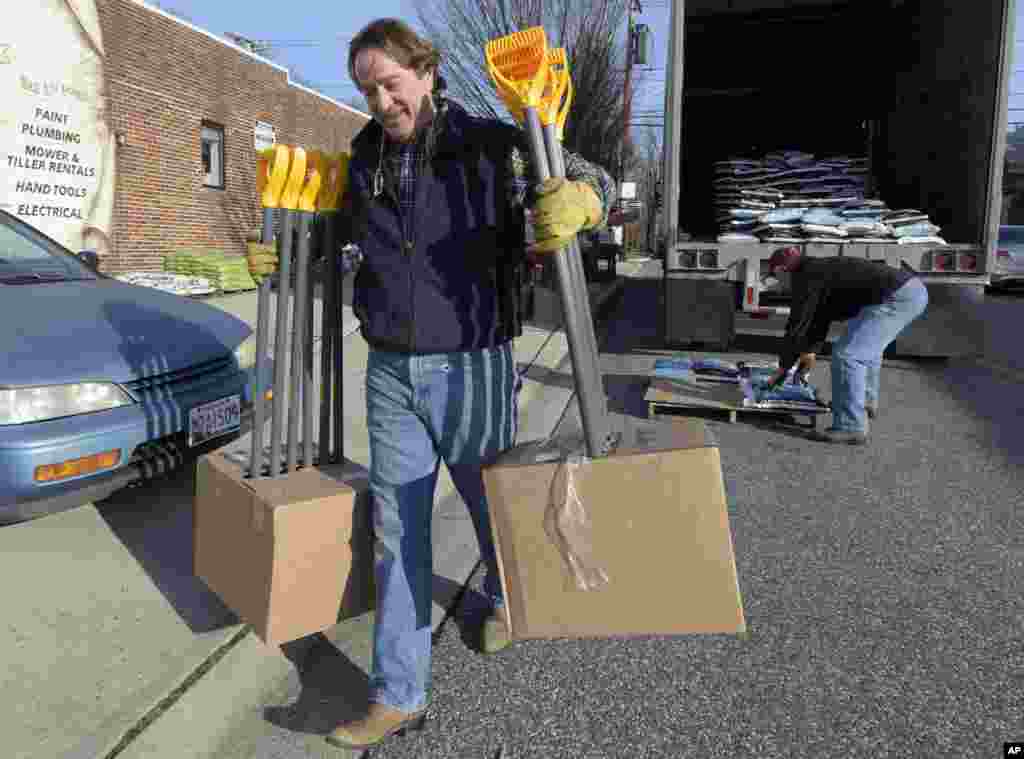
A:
(436, 203)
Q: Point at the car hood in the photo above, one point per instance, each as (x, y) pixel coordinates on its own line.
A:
(106, 330)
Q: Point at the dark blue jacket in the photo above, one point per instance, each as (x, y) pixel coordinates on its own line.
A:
(456, 285)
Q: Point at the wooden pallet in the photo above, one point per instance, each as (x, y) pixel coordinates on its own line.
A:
(715, 396)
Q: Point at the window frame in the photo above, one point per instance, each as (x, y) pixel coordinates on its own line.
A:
(221, 133)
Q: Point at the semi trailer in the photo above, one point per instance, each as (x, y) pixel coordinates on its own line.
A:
(916, 90)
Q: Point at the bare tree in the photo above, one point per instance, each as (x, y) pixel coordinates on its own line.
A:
(592, 33)
(648, 174)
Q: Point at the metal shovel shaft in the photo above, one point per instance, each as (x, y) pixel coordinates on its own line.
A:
(298, 337)
(307, 368)
(338, 381)
(557, 164)
(281, 340)
(327, 337)
(260, 386)
(267, 228)
(588, 385)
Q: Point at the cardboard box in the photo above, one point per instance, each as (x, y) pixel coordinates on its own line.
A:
(291, 556)
(658, 531)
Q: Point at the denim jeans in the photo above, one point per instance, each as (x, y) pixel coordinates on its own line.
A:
(857, 355)
(460, 407)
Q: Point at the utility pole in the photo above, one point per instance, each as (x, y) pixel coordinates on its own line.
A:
(631, 42)
(673, 127)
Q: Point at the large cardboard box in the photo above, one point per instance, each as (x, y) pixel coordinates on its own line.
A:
(645, 531)
(291, 556)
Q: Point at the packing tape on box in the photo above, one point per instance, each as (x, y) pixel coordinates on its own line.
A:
(568, 525)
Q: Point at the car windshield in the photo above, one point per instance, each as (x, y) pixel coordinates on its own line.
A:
(28, 256)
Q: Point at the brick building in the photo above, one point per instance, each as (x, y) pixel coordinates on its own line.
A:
(184, 106)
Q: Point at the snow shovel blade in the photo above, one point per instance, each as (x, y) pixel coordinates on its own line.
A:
(557, 59)
(332, 190)
(296, 178)
(551, 108)
(314, 178)
(271, 174)
(556, 99)
(518, 65)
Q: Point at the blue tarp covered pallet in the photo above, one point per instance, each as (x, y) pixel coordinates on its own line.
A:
(718, 384)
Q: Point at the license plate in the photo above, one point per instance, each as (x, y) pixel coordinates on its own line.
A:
(214, 419)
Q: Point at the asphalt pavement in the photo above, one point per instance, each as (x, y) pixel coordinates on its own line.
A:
(882, 587)
(113, 649)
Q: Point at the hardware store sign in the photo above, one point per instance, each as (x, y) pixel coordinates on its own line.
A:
(56, 147)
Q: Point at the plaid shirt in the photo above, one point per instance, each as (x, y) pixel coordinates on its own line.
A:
(404, 161)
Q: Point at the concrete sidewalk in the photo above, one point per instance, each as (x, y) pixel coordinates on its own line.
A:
(233, 705)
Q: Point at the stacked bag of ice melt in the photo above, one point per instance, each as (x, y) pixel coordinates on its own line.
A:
(681, 374)
(225, 273)
(689, 376)
(792, 197)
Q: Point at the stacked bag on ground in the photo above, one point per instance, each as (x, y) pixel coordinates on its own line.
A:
(681, 374)
(225, 273)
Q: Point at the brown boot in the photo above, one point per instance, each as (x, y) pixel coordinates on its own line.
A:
(380, 722)
(494, 636)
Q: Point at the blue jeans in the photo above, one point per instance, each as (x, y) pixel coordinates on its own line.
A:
(857, 355)
(461, 407)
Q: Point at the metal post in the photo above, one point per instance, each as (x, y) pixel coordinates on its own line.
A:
(298, 339)
(592, 407)
(281, 340)
(267, 231)
(327, 337)
(556, 163)
(307, 384)
(673, 125)
(260, 389)
(628, 92)
(337, 384)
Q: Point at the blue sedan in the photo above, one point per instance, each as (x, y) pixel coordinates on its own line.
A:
(103, 383)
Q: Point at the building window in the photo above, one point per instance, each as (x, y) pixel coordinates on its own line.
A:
(213, 155)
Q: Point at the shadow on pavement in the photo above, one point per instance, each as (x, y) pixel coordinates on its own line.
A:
(445, 592)
(469, 615)
(334, 689)
(154, 519)
(154, 522)
(998, 403)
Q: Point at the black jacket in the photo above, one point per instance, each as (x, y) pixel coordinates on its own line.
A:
(457, 284)
(833, 289)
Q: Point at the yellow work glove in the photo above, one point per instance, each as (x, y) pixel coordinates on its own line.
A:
(561, 210)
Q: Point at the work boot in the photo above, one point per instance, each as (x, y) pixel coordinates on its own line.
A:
(379, 722)
(832, 435)
(494, 636)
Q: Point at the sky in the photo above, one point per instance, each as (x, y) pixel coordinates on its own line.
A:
(324, 28)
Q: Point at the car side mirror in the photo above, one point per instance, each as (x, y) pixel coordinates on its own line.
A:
(90, 258)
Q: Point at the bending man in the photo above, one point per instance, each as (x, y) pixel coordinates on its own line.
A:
(877, 300)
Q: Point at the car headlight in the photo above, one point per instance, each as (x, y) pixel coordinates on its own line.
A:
(245, 354)
(35, 404)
